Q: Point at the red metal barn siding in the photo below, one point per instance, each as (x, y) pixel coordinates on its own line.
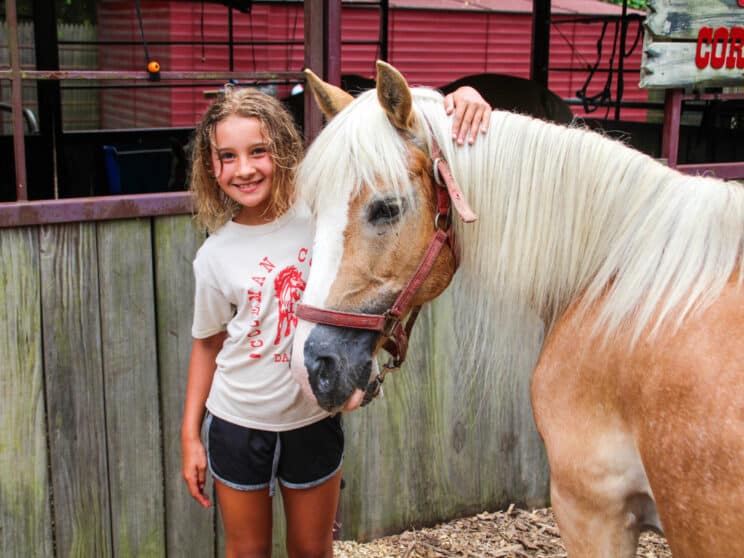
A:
(574, 45)
(359, 24)
(435, 47)
(127, 108)
(431, 47)
(265, 23)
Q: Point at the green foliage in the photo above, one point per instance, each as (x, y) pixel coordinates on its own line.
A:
(635, 4)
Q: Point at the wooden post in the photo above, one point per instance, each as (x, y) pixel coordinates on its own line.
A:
(540, 47)
(670, 132)
(322, 53)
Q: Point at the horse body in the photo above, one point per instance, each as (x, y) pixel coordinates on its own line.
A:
(656, 430)
(635, 270)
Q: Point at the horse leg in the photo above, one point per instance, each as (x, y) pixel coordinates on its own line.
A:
(594, 524)
(599, 491)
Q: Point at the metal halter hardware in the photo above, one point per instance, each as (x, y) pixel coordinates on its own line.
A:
(390, 323)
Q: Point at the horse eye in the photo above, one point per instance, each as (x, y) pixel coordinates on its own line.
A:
(384, 211)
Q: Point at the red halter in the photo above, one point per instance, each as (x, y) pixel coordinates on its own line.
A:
(390, 323)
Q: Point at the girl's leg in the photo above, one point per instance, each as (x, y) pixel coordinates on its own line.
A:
(246, 517)
(311, 513)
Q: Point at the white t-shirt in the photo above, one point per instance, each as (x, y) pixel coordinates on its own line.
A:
(249, 280)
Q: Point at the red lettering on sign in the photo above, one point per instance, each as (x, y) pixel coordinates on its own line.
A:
(302, 256)
(735, 57)
(281, 357)
(720, 47)
(705, 38)
(720, 38)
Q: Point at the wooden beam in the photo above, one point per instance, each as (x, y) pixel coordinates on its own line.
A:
(322, 53)
(540, 48)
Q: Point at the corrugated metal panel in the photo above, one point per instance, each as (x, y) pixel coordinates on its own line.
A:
(583, 7)
(574, 45)
(430, 46)
(436, 47)
(133, 108)
(265, 23)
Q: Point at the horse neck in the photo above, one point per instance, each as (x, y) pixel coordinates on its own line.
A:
(529, 238)
(563, 213)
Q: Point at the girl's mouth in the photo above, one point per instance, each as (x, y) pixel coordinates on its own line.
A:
(247, 188)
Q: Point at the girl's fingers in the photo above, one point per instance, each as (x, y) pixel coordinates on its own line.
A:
(449, 103)
(195, 482)
(463, 128)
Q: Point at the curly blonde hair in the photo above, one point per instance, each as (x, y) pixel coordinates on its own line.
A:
(213, 207)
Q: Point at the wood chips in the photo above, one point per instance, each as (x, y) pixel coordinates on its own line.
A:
(513, 533)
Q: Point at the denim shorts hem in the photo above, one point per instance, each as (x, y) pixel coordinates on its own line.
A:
(314, 483)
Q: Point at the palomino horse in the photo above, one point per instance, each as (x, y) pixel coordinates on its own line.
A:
(635, 269)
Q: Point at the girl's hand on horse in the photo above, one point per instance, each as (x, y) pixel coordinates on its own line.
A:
(472, 113)
(194, 469)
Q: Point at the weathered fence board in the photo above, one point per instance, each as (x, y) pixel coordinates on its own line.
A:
(111, 305)
(131, 387)
(453, 434)
(25, 526)
(176, 242)
(74, 387)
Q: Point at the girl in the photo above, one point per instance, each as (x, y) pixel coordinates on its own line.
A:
(249, 274)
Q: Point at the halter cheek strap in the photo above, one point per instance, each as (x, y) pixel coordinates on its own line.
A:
(390, 325)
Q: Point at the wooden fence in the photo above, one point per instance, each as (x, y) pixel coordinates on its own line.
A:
(94, 345)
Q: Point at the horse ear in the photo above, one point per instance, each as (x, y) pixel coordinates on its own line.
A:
(330, 99)
(394, 96)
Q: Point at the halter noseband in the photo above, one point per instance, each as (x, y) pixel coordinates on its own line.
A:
(390, 323)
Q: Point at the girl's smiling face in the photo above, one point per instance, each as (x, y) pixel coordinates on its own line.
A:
(243, 167)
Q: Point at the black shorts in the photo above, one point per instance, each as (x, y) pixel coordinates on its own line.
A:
(250, 459)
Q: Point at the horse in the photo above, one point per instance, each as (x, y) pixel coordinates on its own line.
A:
(635, 270)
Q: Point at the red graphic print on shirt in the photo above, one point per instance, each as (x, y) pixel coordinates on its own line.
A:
(289, 286)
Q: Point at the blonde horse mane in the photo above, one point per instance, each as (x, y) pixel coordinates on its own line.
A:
(563, 213)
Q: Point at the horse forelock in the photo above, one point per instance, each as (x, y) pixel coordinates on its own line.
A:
(357, 149)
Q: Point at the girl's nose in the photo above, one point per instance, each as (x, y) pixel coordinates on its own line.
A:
(246, 168)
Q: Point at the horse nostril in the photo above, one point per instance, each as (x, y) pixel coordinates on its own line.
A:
(323, 370)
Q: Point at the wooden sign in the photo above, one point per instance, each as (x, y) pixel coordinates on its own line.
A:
(693, 43)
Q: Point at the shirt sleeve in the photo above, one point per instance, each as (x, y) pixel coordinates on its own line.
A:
(212, 310)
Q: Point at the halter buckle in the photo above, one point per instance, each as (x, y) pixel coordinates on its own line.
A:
(391, 320)
(437, 176)
(447, 223)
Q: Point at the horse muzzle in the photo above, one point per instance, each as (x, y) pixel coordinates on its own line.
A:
(336, 362)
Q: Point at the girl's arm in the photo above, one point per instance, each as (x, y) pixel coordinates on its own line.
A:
(471, 113)
(193, 455)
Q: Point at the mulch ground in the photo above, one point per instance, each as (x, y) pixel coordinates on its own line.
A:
(513, 533)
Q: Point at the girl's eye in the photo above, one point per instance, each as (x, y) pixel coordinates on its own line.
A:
(258, 151)
(384, 212)
(226, 156)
